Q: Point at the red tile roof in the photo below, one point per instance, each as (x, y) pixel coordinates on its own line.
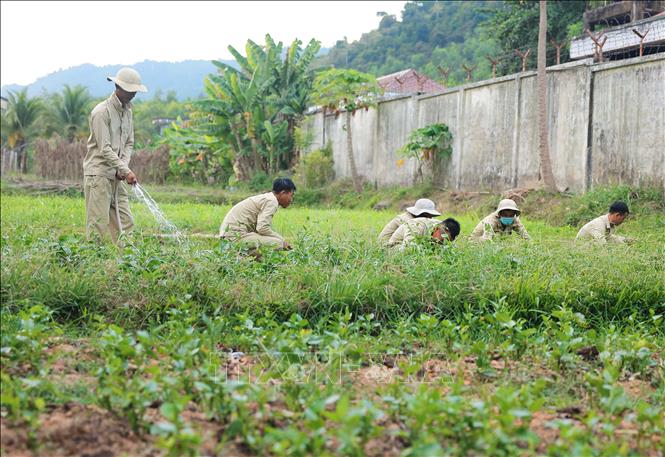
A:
(409, 82)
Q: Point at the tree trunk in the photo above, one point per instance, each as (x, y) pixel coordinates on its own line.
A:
(357, 184)
(291, 155)
(544, 152)
(259, 163)
(240, 166)
(22, 157)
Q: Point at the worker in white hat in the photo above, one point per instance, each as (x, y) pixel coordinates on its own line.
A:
(424, 207)
(106, 164)
(424, 229)
(504, 221)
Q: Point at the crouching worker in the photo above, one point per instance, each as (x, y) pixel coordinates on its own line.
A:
(601, 229)
(423, 227)
(504, 221)
(424, 207)
(250, 221)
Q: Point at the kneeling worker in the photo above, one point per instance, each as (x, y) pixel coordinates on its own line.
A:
(601, 229)
(424, 207)
(439, 231)
(504, 221)
(250, 221)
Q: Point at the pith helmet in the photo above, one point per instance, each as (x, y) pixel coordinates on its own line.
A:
(129, 79)
(423, 205)
(507, 204)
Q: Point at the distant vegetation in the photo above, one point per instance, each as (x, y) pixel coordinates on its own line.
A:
(242, 126)
(436, 38)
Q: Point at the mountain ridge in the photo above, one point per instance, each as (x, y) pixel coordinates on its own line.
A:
(184, 77)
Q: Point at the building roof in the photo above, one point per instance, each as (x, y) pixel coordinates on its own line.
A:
(408, 82)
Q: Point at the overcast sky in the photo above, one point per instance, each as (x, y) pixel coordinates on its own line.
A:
(42, 37)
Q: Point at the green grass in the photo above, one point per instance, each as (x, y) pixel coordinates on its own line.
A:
(506, 323)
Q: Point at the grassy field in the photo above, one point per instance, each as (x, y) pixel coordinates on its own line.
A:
(338, 347)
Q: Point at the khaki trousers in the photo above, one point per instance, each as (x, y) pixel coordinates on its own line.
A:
(105, 199)
(255, 240)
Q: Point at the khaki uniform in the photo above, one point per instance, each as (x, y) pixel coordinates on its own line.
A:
(393, 225)
(407, 233)
(110, 147)
(251, 221)
(599, 230)
(491, 225)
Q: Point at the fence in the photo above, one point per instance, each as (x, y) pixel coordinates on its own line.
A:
(606, 125)
(59, 159)
(9, 162)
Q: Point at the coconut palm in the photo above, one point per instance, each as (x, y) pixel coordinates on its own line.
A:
(22, 112)
(70, 111)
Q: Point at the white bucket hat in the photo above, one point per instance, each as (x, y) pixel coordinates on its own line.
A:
(507, 203)
(423, 205)
(129, 79)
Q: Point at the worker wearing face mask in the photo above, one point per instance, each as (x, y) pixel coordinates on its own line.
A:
(504, 221)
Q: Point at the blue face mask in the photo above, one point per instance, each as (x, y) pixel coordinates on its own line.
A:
(507, 220)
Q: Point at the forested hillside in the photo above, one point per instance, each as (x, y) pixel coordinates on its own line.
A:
(437, 38)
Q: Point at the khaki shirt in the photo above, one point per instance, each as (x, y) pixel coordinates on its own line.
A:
(491, 225)
(252, 215)
(111, 140)
(407, 233)
(599, 230)
(393, 225)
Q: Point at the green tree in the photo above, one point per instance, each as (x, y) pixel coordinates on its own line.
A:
(145, 112)
(22, 112)
(425, 27)
(70, 110)
(257, 107)
(515, 26)
(348, 91)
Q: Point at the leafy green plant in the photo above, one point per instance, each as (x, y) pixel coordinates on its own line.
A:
(122, 388)
(356, 424)
(315, 169)
(565, 337)
(23, 349)
(428, 145)
(176, 437)
(23, 400)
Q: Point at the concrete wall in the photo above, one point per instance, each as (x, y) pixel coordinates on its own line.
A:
(606, 125)
(628, 136)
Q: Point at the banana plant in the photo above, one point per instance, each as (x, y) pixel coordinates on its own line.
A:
(256, 106)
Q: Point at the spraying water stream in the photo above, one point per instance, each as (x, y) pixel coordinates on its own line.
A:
(164, 223)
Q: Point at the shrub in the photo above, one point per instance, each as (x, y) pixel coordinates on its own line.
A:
(260, 182)
(315, 169)
(597, 201)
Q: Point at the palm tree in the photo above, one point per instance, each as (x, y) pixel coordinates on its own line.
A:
(20, 117)
(71, 110)
(544, 150)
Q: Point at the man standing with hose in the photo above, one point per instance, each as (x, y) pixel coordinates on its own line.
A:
(106, 163)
